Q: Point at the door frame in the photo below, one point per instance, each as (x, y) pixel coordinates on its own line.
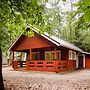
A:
(77, 61)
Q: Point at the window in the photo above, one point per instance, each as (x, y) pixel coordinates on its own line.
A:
(70, 54)
(35, 55)
(74, 55)
(49, 55)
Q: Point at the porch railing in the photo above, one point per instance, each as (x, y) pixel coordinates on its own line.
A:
(47, 65)
(61, 65)
(17, 64)
(42, 65)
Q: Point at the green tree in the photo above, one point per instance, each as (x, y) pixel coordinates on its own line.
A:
(71, 21)
(82, 24)
(14, 15)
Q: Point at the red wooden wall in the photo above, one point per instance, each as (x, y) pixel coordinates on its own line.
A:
(87, 64)
(71, 65)
(37, 41)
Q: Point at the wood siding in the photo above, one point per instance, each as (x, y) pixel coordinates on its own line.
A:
(71, 64)
(36, 41)
(87, 60)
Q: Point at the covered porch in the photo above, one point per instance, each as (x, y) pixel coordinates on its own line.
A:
(42, 59)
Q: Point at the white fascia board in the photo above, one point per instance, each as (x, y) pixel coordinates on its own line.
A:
(50, 40)
(71, 48)
(86, 53)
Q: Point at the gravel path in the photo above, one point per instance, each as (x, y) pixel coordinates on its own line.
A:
(31, 80)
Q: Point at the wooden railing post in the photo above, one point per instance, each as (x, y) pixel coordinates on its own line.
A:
(15, 63)
(55, 57)
(27, 65)
(56, 66)
(13, 59)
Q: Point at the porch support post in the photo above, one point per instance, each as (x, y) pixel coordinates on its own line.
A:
(13, 59)
(55, 53)
(30, 54)
(55, 59)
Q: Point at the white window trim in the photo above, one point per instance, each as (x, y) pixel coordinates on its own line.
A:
(70, 56)
(25, 57)
(48, 52)
(77, 61)
(74, 57)
(52, 52)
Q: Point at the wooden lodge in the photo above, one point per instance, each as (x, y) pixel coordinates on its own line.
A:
(48, 53)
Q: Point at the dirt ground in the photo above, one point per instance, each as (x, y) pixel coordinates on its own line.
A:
(34, 80)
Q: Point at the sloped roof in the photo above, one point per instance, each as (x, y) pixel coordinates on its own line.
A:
(60, 42)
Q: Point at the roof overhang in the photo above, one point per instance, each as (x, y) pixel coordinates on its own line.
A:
(86, 53)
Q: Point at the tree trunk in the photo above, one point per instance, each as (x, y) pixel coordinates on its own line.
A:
(1, 78)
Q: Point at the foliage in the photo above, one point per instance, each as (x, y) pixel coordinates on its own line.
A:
(72, 24)
(82, 25)
(84, 9)
(16, 14)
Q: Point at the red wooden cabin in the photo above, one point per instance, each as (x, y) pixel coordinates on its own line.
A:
(47, 53)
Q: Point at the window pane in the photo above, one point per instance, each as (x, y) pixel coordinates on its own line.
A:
(49, 55)
(74, 55)
(70, 54)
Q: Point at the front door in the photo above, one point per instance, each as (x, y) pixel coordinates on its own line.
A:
(80, 62)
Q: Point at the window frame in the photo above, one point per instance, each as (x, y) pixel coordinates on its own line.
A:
(74, 55)
(50, 52)
(70, 54)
